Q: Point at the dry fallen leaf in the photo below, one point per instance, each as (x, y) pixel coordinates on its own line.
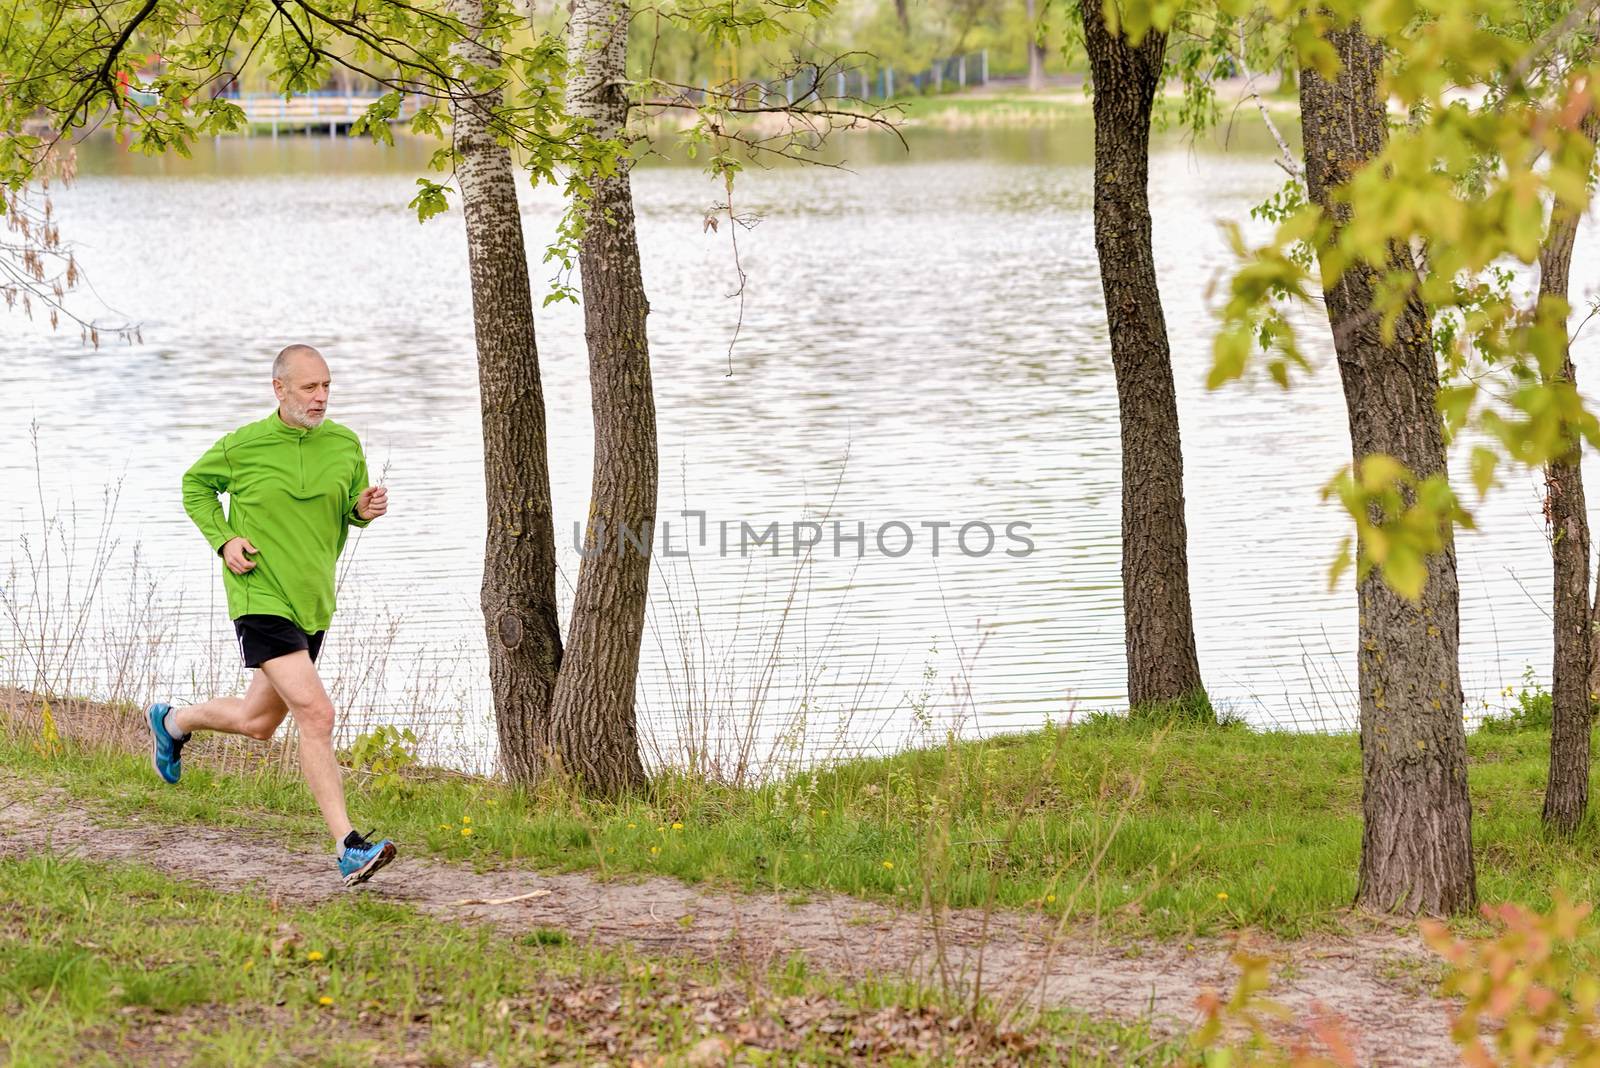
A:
(709, 1053)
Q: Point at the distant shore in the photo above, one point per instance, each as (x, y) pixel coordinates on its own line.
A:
(1019, 106)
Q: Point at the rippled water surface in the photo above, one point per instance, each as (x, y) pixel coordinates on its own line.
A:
(923, 341)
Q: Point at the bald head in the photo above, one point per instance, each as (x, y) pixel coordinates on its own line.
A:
(300, 379)
(288, 355)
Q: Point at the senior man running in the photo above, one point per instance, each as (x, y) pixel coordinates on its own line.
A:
(296, 483)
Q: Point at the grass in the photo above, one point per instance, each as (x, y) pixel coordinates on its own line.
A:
(1021, 106)
(1175, 829)
(1018, 103)
(116, 964)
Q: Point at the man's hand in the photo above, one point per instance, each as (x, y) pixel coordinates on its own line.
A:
(233, 554)
(373, 502)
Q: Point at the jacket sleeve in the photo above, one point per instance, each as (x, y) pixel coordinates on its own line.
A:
(203, 483)
(358, 482)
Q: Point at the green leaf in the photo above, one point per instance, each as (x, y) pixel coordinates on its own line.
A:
(1341, 564)
(430, 199)
(1483, 463)
(1406, 572)
(1454, 403)
(1230, 352)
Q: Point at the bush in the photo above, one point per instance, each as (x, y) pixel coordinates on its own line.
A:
(384, 754)
(1528, 994)
(1530, 710)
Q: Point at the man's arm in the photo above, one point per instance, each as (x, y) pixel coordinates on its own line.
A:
(366, 503)
(203, 484)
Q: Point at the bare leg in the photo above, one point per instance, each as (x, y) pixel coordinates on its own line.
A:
(295, 678)
(255, 715)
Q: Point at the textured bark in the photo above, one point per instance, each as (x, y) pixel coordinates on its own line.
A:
(1159, 625)
(1035, 50)
(1566, 795)
(518, 594)
(1416, 841)
(593, 729)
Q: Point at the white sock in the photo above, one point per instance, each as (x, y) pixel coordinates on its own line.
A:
(166, 723)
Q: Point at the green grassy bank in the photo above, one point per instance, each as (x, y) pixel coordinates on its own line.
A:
(1170, 831)
(1022, 107)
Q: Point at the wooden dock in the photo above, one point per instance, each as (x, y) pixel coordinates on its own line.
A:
(311, 113)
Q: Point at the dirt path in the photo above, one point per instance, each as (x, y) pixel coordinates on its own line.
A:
(1392, 1025)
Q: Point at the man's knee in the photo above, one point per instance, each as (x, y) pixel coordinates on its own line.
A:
(315, 718)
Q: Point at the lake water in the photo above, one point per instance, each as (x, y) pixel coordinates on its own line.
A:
(923, 341)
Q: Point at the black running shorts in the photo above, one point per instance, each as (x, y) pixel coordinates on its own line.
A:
(263, 638)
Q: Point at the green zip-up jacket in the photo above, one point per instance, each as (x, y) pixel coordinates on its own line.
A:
(292, 493)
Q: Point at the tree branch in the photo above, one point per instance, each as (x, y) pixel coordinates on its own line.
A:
(103, 75)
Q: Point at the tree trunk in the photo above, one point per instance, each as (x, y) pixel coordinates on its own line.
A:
(1566, 796)
(1416, 842)
(593, 731)
(1288, 75)
(902, 16)
(1035, 51)
(1162, 663)
(518, 595)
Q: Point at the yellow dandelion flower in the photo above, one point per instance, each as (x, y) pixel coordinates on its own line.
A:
(249, 964)
(324, 1000)
(314, 955)
(1222, 895)
(822, 813)
(466, 819)
(677, 826)
(632, 826)
(1049, 899)
(654, 850)
(466, 832)
(888, 865)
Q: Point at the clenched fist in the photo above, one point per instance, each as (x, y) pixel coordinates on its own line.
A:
(234, 555)
(373, 502)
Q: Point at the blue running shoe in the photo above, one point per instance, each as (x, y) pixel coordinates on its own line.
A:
(165, 751)
(362, 858)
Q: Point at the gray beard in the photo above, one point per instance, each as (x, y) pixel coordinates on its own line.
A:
(301, 420)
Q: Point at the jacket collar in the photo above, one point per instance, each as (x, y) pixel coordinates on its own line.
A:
(285, 430)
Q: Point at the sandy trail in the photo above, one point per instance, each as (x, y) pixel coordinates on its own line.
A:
(1392, 1025)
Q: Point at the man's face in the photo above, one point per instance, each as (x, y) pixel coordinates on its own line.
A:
(303, 391)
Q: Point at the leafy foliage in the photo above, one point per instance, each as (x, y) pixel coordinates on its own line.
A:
(152, 71)
(384, 753)
(1259, 1018)
(1529, 986)
(1401, 520)
(1493, 97)
(1528, 997)
(1532, 709)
